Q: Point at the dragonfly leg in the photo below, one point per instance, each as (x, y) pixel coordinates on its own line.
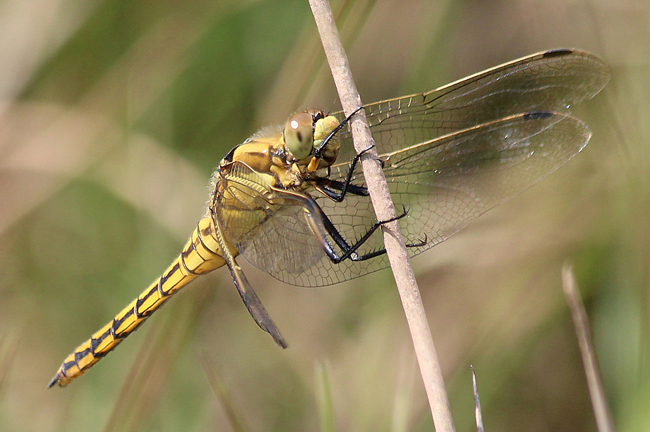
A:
(348, 250)
(318, 152)
(382, 251)
(335, 189)
(318, 220)
(350, 253)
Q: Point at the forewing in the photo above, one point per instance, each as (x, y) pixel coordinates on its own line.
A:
(449, 155)
(450, 181)
(453, 180)
(546, 81)
(444, 184)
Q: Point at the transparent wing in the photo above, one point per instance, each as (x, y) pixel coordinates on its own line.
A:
(446, 183)
(546, 81)
(277, 231)
(449, 155)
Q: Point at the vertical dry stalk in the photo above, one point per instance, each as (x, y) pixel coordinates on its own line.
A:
(603, 416)
(477, 403)
(384, 209)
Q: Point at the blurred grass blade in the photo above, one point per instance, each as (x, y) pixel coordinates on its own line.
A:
(477, 402)
(324, 396)
(403, 400)
(7, 355)
(583, 332)
(223, 394)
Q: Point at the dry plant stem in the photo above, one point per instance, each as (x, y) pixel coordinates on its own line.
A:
(603, 416)
(477, 403)
(384, 209)
(221, 392)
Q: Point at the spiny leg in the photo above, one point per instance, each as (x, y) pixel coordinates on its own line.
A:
(336, 189)
(316, 213)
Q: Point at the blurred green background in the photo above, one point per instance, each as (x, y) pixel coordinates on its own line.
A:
(113, 115)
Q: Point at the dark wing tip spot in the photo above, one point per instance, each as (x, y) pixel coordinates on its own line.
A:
(557, 52)
(537, 115)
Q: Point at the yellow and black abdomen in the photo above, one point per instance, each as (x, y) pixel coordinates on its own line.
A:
(200, 255)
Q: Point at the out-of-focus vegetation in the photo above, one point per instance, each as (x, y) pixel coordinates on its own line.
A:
(113, 114)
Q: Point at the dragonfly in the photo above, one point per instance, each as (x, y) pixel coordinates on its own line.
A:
(292, 201)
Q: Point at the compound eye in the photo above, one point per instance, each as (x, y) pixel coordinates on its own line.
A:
(299, 135)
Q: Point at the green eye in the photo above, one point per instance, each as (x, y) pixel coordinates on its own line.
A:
(299, 135)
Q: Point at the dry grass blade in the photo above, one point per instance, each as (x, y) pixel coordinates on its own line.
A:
(583, 332)
(324, 396)
(393, 241)
(236, 421)
(477, 403)
(7, 355)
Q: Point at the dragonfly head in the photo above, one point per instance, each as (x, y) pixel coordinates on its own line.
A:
(299, 135)
(305, 131)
